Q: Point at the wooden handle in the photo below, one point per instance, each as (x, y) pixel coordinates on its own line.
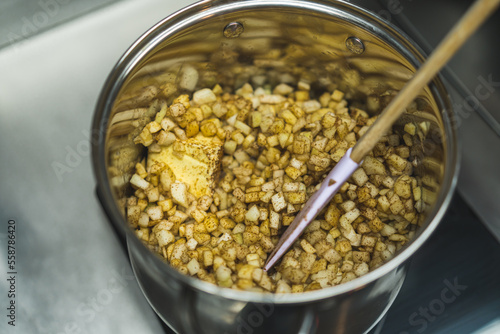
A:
(469, 23)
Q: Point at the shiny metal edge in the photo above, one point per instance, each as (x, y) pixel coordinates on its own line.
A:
(197, 11)
(388, 306)
(143, 290)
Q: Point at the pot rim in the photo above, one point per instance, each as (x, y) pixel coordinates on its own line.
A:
(197, 11)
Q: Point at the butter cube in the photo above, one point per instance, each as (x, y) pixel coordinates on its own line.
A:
(198, 167)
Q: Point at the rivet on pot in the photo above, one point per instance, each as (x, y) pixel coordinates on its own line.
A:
(355, 45)
(233, 30)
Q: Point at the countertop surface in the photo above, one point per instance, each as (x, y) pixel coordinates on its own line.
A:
(72, 275)
(70, 272)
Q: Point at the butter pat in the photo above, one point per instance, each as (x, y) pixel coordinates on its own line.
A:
(198, 166)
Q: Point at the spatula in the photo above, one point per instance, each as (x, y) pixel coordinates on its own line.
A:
(462, 30)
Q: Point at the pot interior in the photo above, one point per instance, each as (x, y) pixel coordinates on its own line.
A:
(329, 45)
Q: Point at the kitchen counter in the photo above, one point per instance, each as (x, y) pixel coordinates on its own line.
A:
(72, 275)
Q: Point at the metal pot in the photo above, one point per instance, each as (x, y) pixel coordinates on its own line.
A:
(329, 44)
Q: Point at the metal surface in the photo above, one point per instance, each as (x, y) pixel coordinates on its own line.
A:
(355, 45)
(233, 30)
(187, 303)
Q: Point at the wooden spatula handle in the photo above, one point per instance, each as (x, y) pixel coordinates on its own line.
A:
(474, 17)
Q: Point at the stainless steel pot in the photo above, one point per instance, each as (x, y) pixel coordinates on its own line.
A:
(331, 45)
